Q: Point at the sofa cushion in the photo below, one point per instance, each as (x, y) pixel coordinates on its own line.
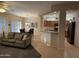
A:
(1, 35)
(11, 40)
(5, 40)
(8, 40)
(19, 41)
(18, 36)
(11, 35)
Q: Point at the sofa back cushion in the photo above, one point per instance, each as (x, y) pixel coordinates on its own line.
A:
(1, 35)
(18, 36)
(6, 35)
(11, 35)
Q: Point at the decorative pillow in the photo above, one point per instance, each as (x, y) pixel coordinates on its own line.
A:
(24, 37)
(18, 36)
(11, 35)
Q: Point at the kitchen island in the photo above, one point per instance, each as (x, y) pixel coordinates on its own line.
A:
(50, 37)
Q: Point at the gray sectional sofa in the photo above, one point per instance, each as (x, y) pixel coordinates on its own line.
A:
(21, 40)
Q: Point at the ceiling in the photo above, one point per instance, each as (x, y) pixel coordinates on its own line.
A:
(30, 8)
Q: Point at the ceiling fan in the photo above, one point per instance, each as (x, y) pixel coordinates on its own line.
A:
(3, 7)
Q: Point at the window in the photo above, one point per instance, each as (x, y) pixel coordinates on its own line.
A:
(0, 25)
(3, 24)
(16, 25)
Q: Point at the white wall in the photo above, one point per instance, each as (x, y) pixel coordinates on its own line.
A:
(23, 23)
(77, 30)
(36, 20)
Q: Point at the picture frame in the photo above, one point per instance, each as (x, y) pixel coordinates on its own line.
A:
(34, 25)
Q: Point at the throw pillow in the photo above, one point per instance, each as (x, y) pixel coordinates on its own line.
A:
(24, 37)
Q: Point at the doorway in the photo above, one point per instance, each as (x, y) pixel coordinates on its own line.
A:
(71, 33)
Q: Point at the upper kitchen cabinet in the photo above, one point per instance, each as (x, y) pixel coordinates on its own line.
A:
(50, 21)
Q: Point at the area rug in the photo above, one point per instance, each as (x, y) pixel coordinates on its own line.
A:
(12, 52)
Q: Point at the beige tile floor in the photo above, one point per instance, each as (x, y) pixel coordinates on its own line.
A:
(46, 51)
(71, 51)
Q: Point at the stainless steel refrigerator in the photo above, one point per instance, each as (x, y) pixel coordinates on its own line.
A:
(71, 33)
